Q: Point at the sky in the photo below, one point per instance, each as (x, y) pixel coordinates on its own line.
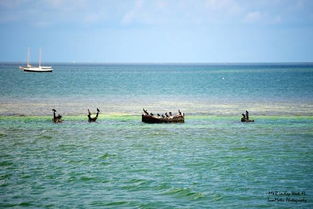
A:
(157, 31)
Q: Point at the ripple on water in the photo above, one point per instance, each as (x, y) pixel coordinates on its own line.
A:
(88, 178)
(5, 176)
(2, 135)
(149, 166)
(5, 164)
(106, 156)
(137, 185)
(216, 197)
(239, 148)
(25, 204)
(184, 193)
(117, 203)
(45, 137)
(67, 147)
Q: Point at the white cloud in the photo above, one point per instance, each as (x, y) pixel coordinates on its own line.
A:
(144, 12)
(153, 12)
(224, 5)
(262, 17)
(131, 14)
(55, 3)
(65, 4)
(128, 17)
(92, 18)
(138, 4)
(161, 4)
(42, 24)
(254, 16)
(277, 20)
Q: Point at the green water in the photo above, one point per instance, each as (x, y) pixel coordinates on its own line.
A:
(119, 162)
(211, 161)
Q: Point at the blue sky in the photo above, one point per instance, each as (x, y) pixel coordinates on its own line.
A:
(157, 30)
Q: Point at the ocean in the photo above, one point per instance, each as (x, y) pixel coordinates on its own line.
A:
(210, 161)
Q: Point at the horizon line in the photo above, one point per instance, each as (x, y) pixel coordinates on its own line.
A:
(163, 63)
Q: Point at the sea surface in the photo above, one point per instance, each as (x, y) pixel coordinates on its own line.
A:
(210, 161)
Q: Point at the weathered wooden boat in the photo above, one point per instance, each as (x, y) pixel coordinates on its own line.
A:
(246, 121)
(155, 119)
(245, 118)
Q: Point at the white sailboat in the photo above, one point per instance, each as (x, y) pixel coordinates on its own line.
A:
(40, 68)
(27, 61)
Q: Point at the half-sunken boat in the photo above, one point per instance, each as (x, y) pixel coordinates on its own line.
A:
(246, 121)
(151, 118)
(245, 118)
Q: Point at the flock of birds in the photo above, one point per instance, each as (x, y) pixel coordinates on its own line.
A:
(58, 118)
(165, 115)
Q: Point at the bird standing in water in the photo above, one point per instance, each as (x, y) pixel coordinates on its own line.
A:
(93, 119)
(56, 119)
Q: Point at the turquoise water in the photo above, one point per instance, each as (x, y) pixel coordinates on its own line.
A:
(211, 161)
(196, 89)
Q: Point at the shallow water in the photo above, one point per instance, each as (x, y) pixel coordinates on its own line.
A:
(211, 161)
(214, 162)
(126, 89)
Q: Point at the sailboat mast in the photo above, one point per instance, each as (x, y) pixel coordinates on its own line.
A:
(28, 57)
(39, 57)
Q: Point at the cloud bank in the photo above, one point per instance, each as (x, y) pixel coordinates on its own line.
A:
(154, 12)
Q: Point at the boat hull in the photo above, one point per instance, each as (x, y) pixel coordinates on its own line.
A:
(247, 121)
(38, 70)
(152, 119)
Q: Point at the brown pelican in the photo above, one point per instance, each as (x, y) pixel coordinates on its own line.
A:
(145, 111)
(245, 117)
(90, 119)
(56, 119)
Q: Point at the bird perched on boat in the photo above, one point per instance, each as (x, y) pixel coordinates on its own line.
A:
(168, 117)
(56, 119)
(145, 111)
(93, 119)
(179, 112)
(245, 117)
